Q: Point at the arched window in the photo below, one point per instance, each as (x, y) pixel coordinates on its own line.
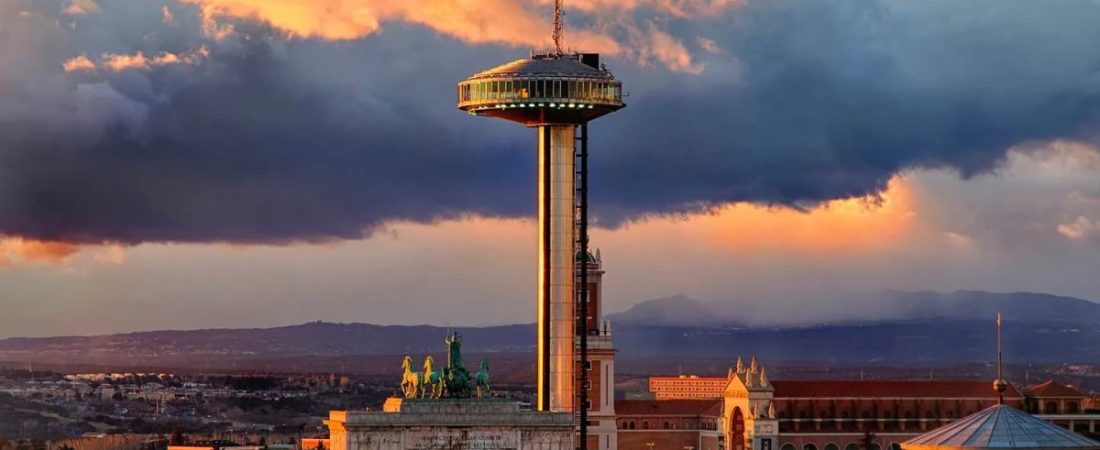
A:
(1052, 408)
(851, 446)
(831, 446)
(895, 446)
(645, 424)
(788, 447)
(667, 425)
(631, 425)
(875, 446)
(809, 447)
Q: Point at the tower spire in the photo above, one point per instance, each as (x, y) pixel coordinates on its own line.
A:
(559, 25)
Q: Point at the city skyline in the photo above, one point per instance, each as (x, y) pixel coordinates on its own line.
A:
(212, 163)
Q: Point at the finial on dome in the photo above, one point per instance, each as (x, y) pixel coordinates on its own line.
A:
(740, 365)
(763, 376)
(752, 365)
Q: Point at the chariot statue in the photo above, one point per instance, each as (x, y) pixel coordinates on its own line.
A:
(452, 381)
(456, 377)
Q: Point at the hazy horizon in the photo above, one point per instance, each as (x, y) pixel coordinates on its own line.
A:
(214, 163)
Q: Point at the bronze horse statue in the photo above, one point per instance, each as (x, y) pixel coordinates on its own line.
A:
(411, 381)
(433, 379)
(482, 379)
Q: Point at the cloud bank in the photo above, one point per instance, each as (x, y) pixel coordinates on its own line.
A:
(286, 121)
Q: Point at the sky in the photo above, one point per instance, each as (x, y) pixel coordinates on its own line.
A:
(225, 163)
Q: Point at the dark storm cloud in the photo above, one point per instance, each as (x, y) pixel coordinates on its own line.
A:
(830, 99)
(269, 140)
(241, 147)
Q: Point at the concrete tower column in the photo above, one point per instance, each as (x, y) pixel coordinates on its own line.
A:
(556, 268)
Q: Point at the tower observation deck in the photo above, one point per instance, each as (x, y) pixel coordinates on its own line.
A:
(558, 94)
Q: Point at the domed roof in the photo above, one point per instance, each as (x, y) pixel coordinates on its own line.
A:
(1000, 427)
(539, 67)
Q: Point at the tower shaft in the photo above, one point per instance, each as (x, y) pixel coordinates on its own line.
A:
(556, 277)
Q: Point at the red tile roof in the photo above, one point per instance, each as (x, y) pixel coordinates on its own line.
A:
(1053, 388)
(889, 389)
(708, 407)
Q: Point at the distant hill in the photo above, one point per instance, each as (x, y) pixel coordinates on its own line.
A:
(882, 306)
(917, 327)
(677, 310)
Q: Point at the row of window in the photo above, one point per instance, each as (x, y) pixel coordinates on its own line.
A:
(867, 415)
(690, 425)
(850, 446)
(511, 90)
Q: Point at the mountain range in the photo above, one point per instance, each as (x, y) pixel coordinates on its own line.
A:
(917, 327)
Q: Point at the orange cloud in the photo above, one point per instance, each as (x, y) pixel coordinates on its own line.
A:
(19, 250)
(519, 23)
(667, 50)
(81, 63)
(30, 250)
(121, 62)
(866, 223)
(81, 7)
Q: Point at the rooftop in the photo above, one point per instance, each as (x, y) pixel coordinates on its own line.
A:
(1053, 388)
(1000, 427)
(888, 389)
(563, 66)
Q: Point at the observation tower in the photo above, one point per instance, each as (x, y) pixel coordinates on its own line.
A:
(557, 93)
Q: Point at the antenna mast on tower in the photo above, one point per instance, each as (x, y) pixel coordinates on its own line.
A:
(559, 25)
(999, 385)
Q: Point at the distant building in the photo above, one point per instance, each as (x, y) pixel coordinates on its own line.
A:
(754, 412)
(687, 387)
(214, 445)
